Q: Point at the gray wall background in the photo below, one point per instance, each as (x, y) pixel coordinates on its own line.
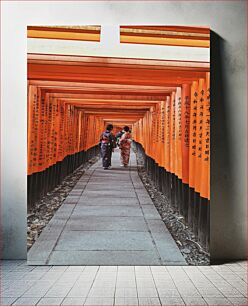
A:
(227, 20)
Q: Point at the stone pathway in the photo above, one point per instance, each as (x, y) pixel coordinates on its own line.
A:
(107, 219)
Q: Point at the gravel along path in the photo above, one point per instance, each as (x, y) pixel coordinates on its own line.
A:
(192, 251)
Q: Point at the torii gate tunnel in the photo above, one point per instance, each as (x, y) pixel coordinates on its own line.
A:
(165, 102)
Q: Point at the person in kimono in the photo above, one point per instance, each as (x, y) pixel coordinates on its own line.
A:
(125, 146)
(107, 145)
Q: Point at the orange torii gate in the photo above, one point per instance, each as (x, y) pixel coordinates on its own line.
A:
(183, 150)
(71, 99)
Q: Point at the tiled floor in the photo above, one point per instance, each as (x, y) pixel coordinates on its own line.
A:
(123, 285)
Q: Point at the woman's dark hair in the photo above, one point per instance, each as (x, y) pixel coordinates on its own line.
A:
(126, 128)
(109, 127)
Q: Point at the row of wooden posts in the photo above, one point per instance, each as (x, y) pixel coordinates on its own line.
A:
(174, 138)
(40, 183)
(183, 199)
(60, 138)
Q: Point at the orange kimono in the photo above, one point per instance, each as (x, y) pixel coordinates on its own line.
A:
(125, 146)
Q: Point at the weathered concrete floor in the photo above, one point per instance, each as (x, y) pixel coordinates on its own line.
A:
(107, 219)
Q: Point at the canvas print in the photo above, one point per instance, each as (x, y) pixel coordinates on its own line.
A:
(118, 145)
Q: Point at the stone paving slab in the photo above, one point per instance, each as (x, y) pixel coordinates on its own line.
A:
(103, 187)
(108, 218)
(107, 210)
(104, 240)
(150, 212)
(107, 193)
(115, 179)
(109, 201)
(105, 257)
(90, 223)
